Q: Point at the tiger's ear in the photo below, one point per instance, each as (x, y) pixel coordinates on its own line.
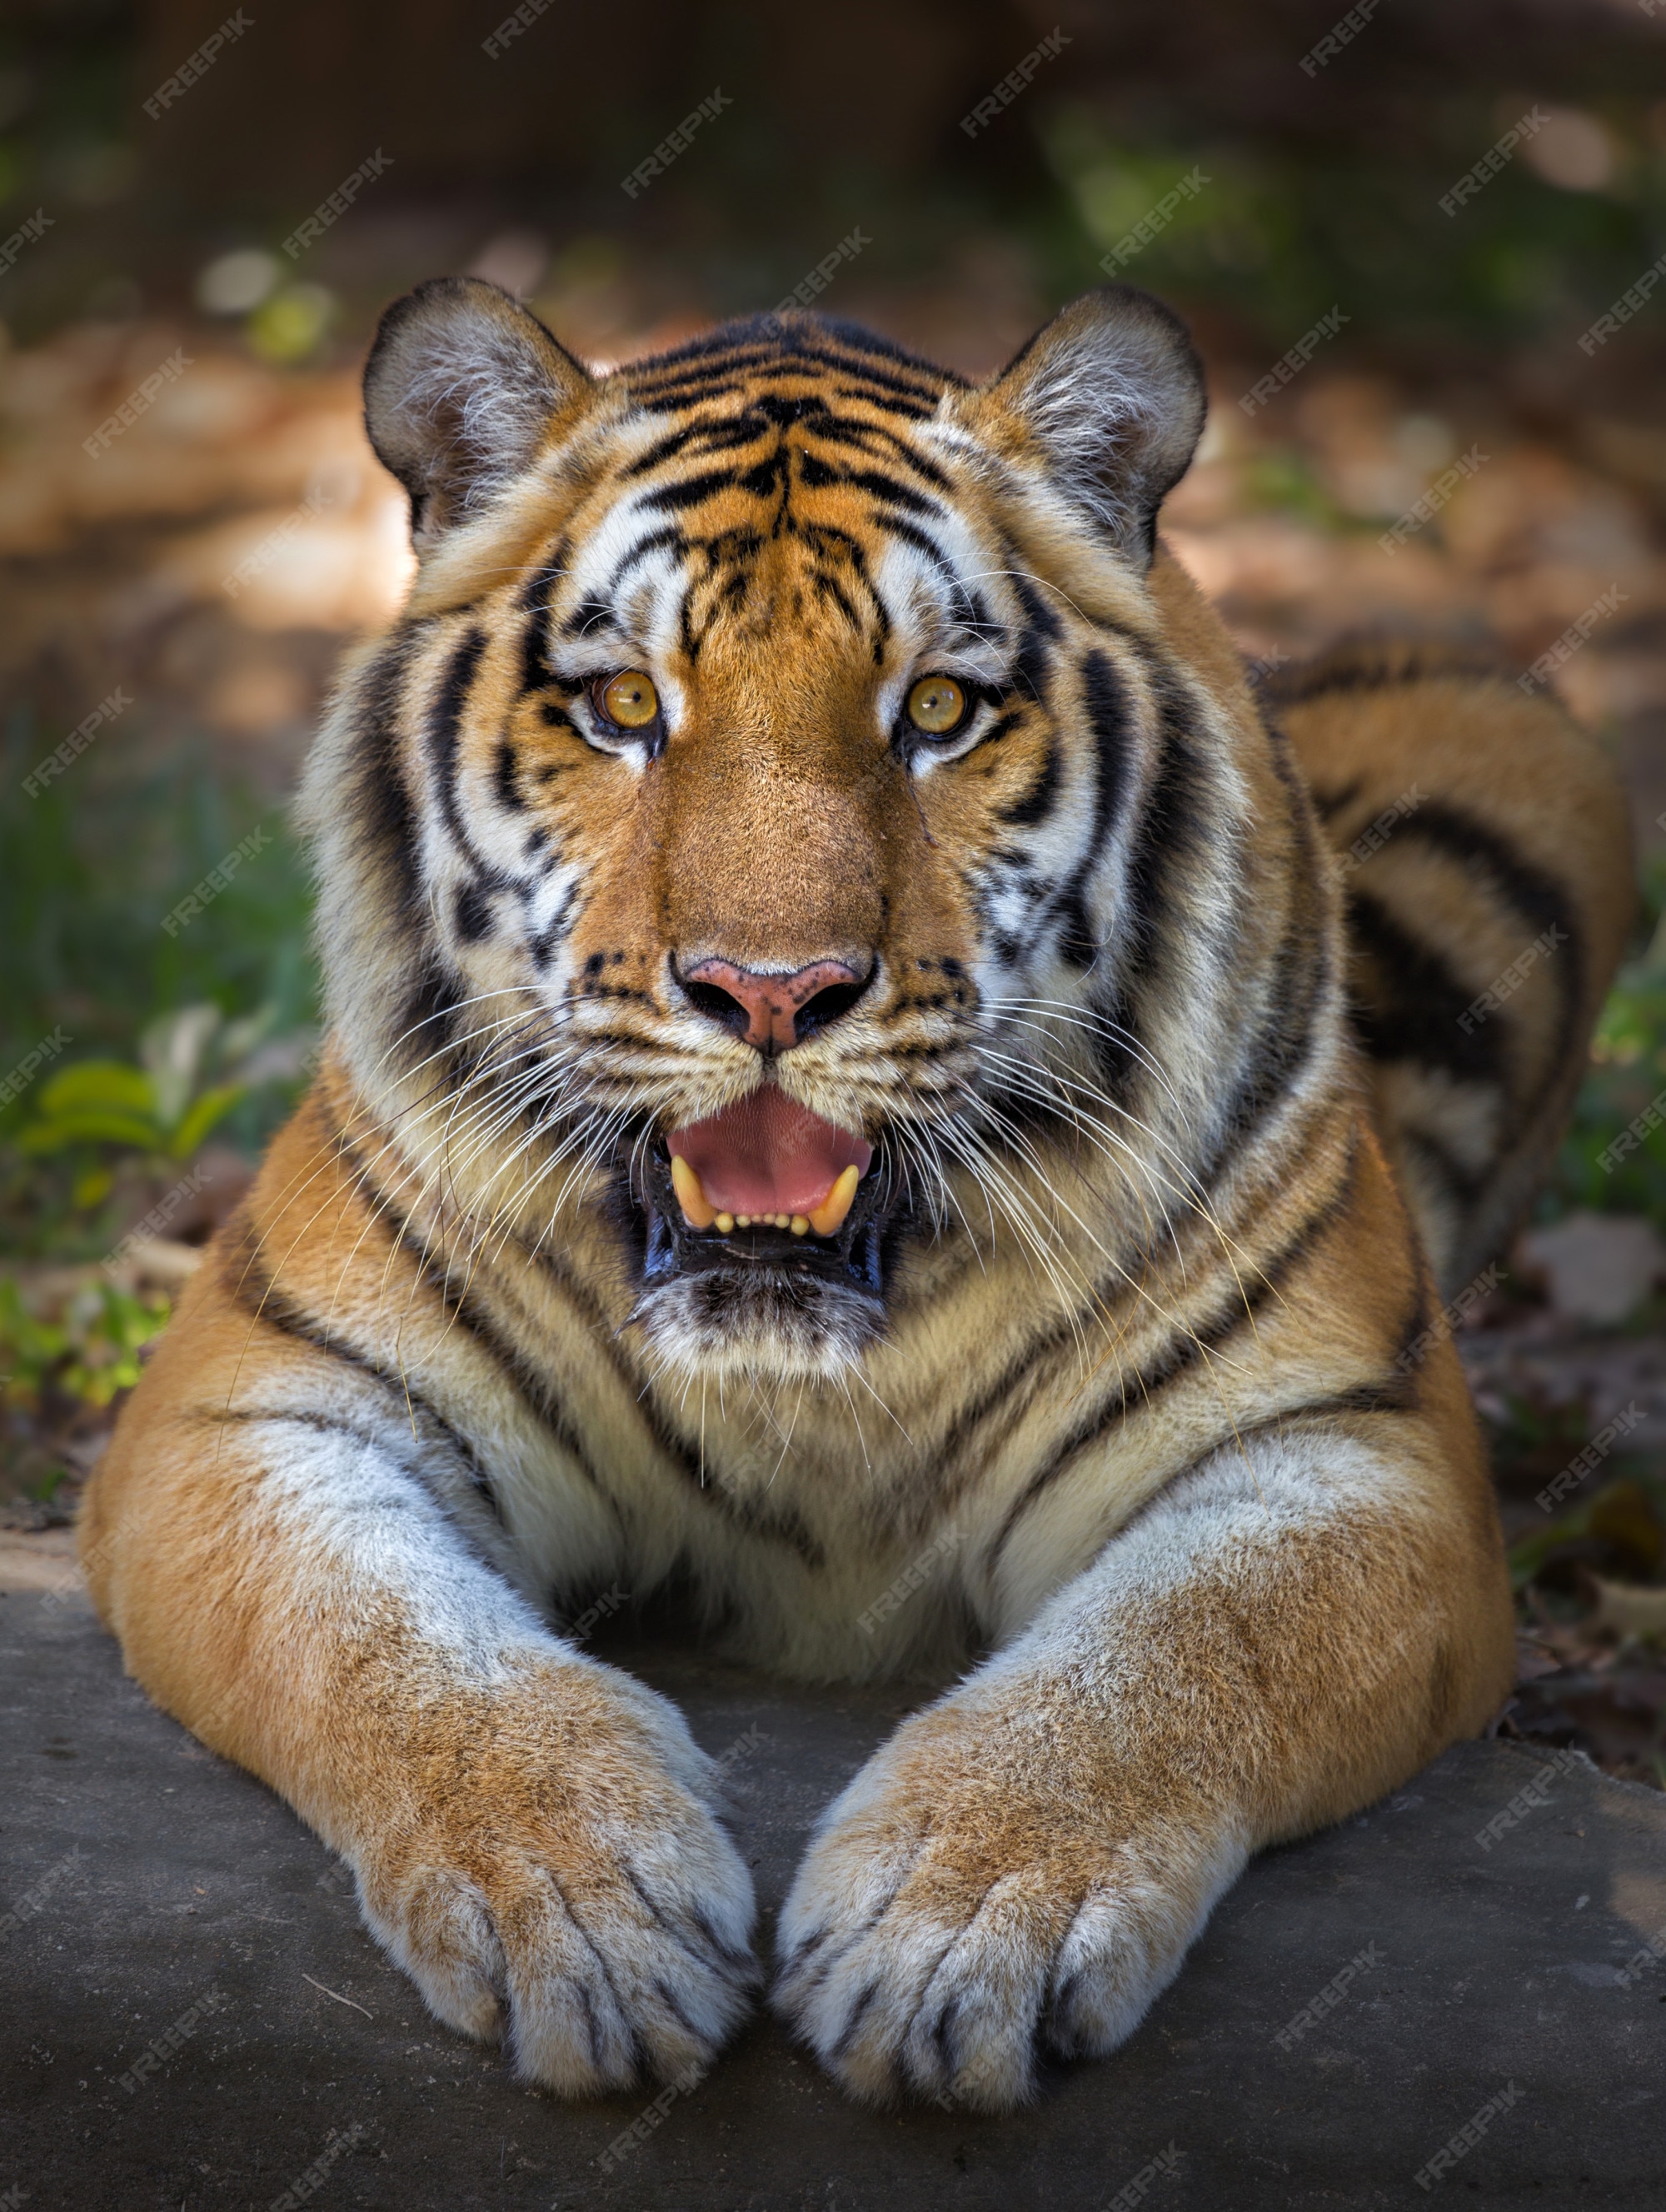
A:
(1108, 396)
(460, 390)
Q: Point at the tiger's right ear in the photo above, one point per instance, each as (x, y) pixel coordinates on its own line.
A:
(460, 392)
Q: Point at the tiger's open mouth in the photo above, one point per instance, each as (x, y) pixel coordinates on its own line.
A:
(765, 1186)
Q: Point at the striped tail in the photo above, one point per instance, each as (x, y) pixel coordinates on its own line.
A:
(1486, 857)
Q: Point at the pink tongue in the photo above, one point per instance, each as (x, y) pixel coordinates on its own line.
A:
(766, 1155)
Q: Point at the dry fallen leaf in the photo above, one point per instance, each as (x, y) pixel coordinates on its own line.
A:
(1628, 1610)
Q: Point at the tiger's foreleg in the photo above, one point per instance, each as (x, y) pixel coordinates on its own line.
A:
(1293, 1626)
(531, 1831)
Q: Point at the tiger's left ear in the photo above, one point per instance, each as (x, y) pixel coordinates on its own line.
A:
(1108, 397)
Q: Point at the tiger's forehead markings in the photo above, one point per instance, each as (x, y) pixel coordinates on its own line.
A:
(768, 349)
(814, 435)
(775, 384)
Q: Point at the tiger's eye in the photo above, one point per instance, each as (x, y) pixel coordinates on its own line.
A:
(629, 699)
(936, 704)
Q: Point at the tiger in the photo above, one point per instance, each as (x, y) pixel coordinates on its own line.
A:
(875, 1083)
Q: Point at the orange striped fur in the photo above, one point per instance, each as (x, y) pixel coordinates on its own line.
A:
(1123, 1379)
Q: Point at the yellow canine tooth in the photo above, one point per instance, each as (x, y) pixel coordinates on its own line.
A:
(698, 1209)
(828, 1218)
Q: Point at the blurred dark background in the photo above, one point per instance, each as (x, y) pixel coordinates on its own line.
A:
(191, 526)
(1322, 178)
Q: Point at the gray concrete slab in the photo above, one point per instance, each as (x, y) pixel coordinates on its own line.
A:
(151, 1886)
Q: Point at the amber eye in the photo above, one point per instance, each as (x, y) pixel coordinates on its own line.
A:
(628, 700)
(937, 705)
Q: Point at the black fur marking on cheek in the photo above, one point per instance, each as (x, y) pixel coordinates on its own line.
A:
(473, 915)
(1107, 717)
(548, 941)
(445, 723)
(1039, 802)
(1173, 826)
(506, 786)
(387, 816)
(421, 1024)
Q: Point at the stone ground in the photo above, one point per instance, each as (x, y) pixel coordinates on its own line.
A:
(147, 1887)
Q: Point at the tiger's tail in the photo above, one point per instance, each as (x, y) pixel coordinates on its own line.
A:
(1486, 851)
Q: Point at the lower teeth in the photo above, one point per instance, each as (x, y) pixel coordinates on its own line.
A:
(726, 1224)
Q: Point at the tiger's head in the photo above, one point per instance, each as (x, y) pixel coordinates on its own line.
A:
(754, 799)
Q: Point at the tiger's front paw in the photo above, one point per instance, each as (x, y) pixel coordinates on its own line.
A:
(977, 1895)
(558, 1881)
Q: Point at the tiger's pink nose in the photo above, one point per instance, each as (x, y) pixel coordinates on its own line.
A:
(774, 1011)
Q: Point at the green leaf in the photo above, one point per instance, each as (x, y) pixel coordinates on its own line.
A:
(202, 1115)
(90, 1128)
(103, 1085)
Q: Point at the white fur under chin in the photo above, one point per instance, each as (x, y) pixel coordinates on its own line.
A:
(773, 1328)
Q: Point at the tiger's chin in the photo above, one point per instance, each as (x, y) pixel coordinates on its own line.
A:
(729, 1324)
(761, 1303)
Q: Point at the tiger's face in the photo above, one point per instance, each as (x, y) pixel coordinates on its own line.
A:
(774, 715)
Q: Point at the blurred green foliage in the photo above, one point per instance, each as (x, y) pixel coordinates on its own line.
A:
(88, 1356)
(1283, 231)
(170, 1038)
(88, 870)
(1627, 1077)
(166, 1107)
